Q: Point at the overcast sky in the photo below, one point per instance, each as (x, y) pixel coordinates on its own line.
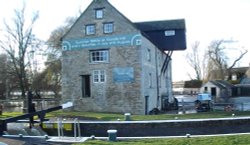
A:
(206, 20)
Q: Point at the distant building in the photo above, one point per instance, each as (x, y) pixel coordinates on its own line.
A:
(234, 75)
(191, 87)
(110, 64)
(178, 88)
(243, 88)
(220, 90)
(248, 72)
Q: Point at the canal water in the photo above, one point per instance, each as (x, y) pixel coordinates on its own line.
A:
(186, 104)
(17, 105)
(24, 129)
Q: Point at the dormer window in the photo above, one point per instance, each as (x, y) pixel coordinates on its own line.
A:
(149, 55)
(99, 13)
(169, 33)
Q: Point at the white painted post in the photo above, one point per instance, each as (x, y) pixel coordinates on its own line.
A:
(75, 128)
(58, 127)
(183, 107)
(127, 116)
(79, 129)
(112, 135)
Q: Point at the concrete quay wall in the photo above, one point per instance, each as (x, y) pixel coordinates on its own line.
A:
(156, 128)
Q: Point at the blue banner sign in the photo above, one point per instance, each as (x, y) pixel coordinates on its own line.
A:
(125, 74)
(102, 42)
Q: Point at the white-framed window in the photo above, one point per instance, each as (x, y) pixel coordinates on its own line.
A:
(159, 81)
(150, 80)
(90, 29)
(169, 32)
(149, 55)
(159, 59)
(99, 13)
(108, 27)
(99, 76)
(97, 56)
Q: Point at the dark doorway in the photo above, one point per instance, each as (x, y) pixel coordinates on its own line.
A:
(86, 86)
(213, 91)
(146, 105)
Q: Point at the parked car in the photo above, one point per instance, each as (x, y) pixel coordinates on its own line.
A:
(203, 102)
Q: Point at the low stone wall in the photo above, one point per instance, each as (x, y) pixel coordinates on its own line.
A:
(156, 128)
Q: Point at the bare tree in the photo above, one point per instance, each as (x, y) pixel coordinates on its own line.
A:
(3, 75)
(49, 79)
(195, 60)
(18, 42)
(51, 76)
(219, 60)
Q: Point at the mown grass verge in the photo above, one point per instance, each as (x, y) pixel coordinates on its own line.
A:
(10, 114)
(115, 116)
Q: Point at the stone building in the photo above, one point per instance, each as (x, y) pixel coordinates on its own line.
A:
(220, 90)
(242, 89)
(191, 87)
(110, 64)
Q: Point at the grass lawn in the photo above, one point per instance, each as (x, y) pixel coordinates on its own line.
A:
(115, 116)
(221, 140)
(10, 114)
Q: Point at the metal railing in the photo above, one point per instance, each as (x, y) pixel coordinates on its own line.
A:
(217, 106)
(232, 106)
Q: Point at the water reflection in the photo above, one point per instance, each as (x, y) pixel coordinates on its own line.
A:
(17, 105)
(186, 104)
(12, 109)
(24, 129)
(186, 98)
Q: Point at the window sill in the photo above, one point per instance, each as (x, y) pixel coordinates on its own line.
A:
(94, 63)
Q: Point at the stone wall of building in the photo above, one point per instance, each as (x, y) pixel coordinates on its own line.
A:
(121, 23)
(144, 60)
(152, 63)
(149, 75)
(109, 96)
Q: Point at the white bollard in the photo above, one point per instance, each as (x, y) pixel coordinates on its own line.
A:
(127, 116)
(112, 134)
(188, 135)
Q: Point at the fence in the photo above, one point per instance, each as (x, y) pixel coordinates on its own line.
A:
(189, 106)
(231, 106)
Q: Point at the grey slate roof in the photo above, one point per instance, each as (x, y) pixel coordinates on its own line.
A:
(161, 25)
(222, 84)
(155, 31)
